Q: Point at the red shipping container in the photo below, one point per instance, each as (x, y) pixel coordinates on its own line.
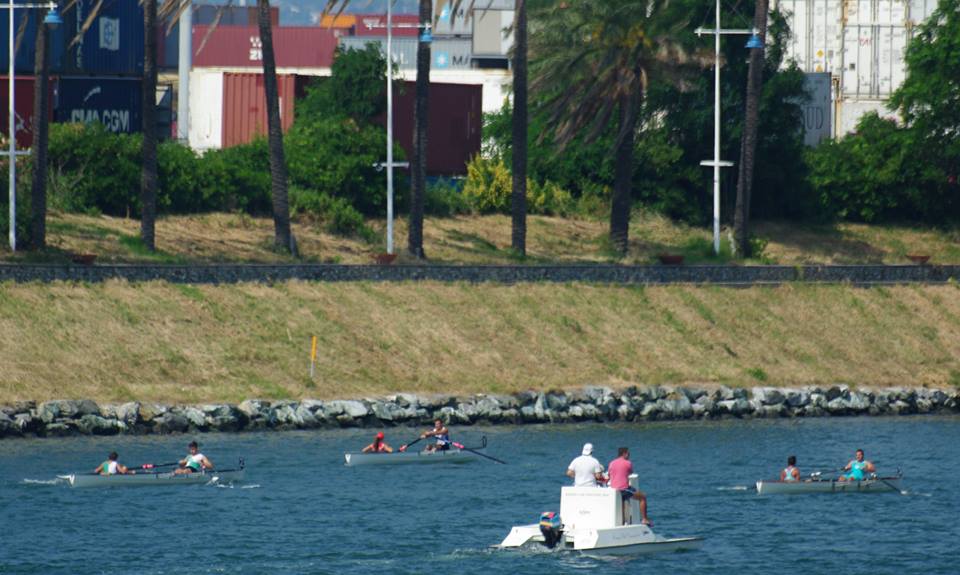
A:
(239, 46)
(23, 96)
(245, 106)
(376, 25)
(454, 125)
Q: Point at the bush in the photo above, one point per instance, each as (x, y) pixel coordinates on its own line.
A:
(238, 178)
(490, 183)
(338, 216)
(445, 198)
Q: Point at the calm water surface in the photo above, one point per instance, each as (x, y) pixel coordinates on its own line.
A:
(301, 511)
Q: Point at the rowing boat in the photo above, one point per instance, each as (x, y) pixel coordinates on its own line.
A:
(410, 457)
(154, 478)
(817, 485)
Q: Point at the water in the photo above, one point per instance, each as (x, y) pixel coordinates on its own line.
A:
(301, 511)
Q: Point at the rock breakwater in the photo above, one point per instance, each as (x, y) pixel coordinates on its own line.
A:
(601, 404)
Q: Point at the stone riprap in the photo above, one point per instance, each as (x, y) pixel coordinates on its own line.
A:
(631, 404)
(733, 275)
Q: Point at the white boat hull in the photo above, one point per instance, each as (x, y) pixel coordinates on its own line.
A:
(623, 540)
(879, 485)
(410, 457)
(142, 479)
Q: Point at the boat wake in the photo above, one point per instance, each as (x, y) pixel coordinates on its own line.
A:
(734, 488)
(233, 486)
(55, 481)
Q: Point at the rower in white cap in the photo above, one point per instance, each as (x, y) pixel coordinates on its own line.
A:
(585, 470)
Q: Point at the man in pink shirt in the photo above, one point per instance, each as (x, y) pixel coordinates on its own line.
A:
(619, 471)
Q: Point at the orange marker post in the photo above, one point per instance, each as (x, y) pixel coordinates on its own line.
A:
(313, 355)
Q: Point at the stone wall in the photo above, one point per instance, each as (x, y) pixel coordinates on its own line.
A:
(611, 274)
(599, 404)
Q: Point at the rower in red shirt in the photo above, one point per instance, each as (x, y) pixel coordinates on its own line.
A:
(619, 471)
(378, 446)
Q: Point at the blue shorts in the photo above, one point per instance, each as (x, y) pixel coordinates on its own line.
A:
(627, 493)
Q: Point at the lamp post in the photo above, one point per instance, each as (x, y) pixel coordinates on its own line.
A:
(390, 164)
(53, 20)
(716, 162)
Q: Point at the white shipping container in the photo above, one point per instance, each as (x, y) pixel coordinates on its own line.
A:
(920, 10)
(490, 32)
(849, 112)
(816, 38)
(206, 109)
(873, 63)
(461, 23)
(445, 53)
(860, 12)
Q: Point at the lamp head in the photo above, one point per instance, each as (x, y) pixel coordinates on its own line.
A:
(426, 37)
(754, 41)
(53, 19)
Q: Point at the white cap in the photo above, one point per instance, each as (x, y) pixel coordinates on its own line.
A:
(587, 448)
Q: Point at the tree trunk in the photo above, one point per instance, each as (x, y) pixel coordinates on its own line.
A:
(518, 198)
(148, 171)
(41, 129)
(623, 176)
(283, 238)
(748, 143)
(420, 111)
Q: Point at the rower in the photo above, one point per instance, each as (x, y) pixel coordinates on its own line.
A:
(378, 445)
(441, 433)
(858, 468)
(790, 472)
(620, 470)
(585, 470)
(112, 467)
(194, 462)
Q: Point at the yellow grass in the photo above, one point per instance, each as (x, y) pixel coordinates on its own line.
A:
(159, 342)
(482, 240)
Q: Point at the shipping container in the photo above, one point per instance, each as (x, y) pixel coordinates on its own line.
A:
(445, 53)
(113, 101)
(23, 102)
(112, 44)
(25, 40)
(492, 33)
(454, 125)
(206, 109)
(245, 105)
(205, 15)
(849, 112)
(873, 60)
(404, 25)
(816, 38)
(817, 109)
(240, 47)
(461, 24)
(863, 12)
(920, 10)
(342, 21)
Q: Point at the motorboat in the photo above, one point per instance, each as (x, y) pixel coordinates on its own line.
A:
(596, 521)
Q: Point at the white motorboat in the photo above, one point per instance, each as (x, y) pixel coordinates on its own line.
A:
(595, 521)
(154, 478)
(818, 485)
(406, 457)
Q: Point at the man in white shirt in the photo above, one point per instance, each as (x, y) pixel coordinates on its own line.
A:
(585, 470)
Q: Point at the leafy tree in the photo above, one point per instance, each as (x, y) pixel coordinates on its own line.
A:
(353, 90)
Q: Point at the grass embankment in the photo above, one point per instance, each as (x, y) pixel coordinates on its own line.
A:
(178, 343)
(482, 240)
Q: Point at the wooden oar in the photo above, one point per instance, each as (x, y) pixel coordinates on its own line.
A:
(462, 447)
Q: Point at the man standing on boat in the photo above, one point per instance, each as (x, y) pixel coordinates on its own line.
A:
(790, 472)
(858, 468)
(378, 445)
(619, 471)
(112, 467)
(441, 433)
(195, 462)
(585, 470)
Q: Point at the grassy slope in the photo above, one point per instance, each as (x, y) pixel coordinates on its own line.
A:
(195, 343)
(486, 239)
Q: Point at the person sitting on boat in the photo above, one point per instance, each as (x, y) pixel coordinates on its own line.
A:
(194, 462)
(441, 433)
(585, 470)
(378, 445)
(790, 472)
(619, 471)
(858, 468)
(112, 467)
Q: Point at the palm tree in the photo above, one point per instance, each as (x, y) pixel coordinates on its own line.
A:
(421, 109)
(148, 169)
(518, 196)
(283, 238)
(41, 125)
(748, 143)
(592, 61)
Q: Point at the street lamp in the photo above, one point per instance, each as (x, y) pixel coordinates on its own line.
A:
(425, 37)
(53, 20)
(716, 162)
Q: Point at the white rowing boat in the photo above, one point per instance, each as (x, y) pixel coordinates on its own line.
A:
(817, 485)
(410, 457)
(592, 523)
(154, 478)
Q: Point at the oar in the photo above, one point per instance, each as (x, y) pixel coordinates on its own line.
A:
(405, 446)
(154, 465)
(461, 446)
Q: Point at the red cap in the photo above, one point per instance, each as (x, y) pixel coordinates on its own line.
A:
(379, 435)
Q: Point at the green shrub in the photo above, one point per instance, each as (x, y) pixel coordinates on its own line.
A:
(489, 185)
(548, 199)
(445, 198)
(338, 216)
(238, 178)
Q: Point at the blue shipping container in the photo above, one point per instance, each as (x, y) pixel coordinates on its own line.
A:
(114, 102)
(113, 44)
(25, 39)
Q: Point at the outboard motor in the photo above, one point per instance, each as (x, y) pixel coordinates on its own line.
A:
(551, 528)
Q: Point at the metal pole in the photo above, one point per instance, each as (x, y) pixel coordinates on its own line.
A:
(389, 127)
(183, 69)
(716, 139)
(12, 135)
